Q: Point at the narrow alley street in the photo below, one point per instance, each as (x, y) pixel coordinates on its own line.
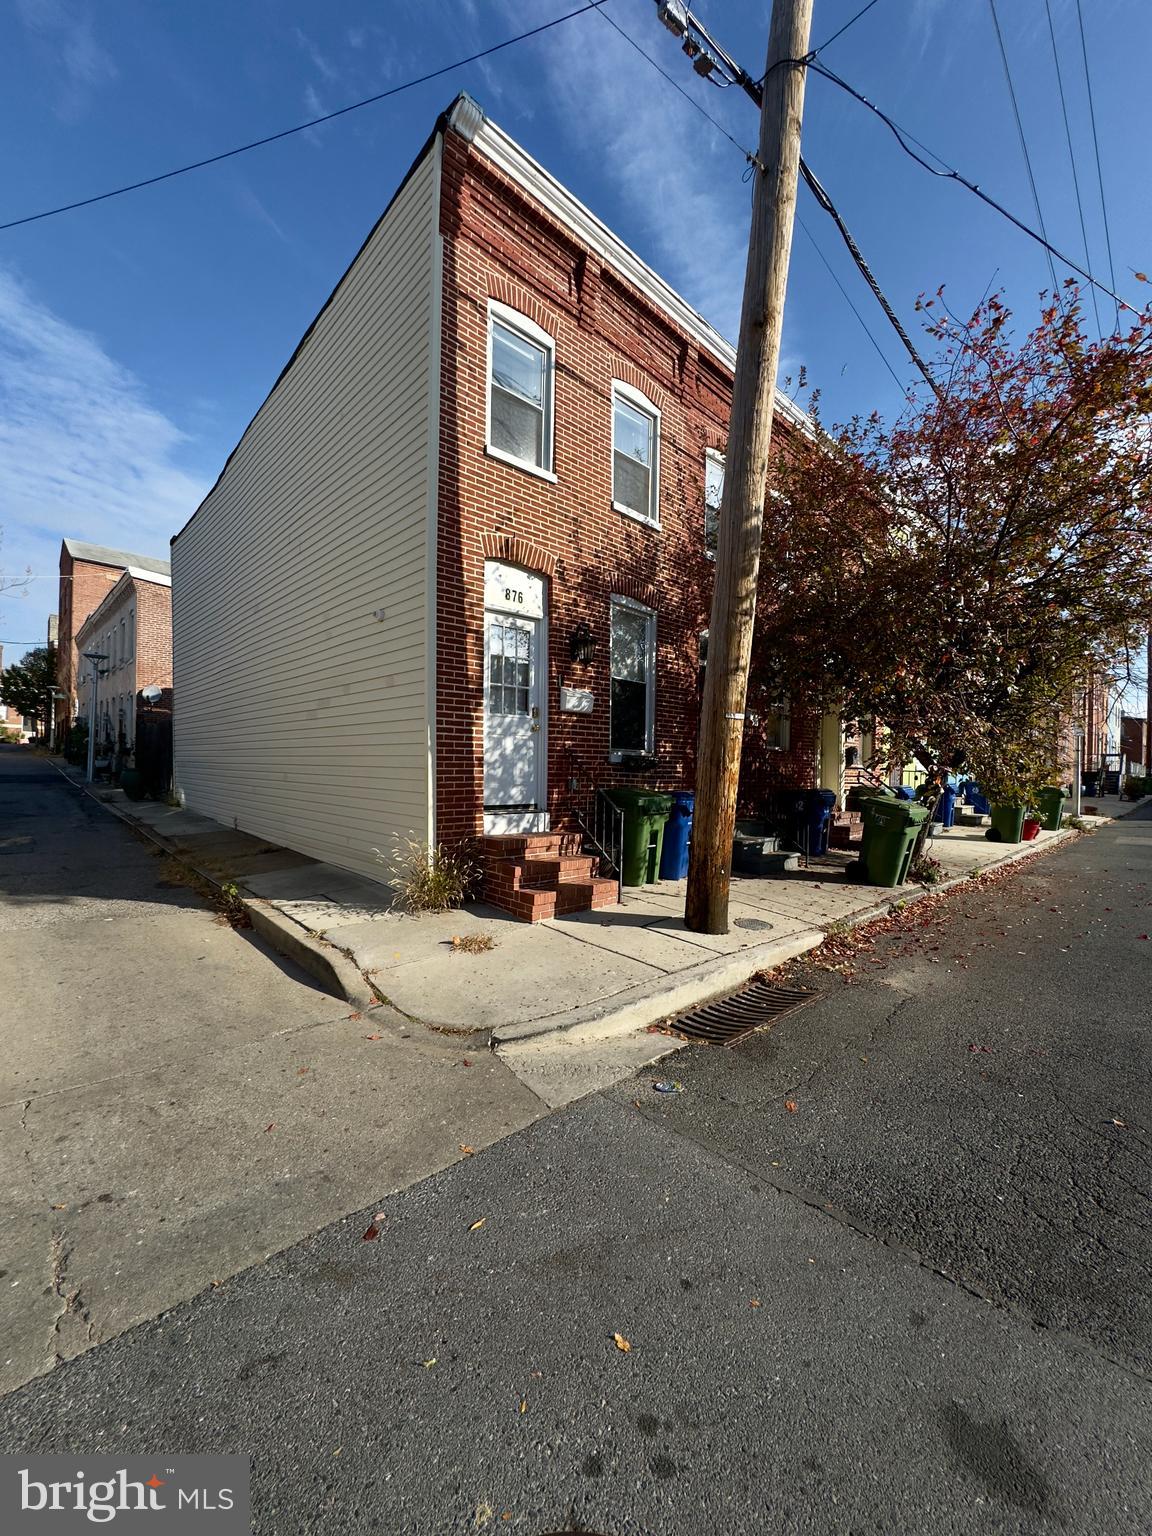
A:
(176, 1101)
(885, 1267)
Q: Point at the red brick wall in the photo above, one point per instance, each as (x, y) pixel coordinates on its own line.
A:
(498, 245)
(153, 634)
(83, 587)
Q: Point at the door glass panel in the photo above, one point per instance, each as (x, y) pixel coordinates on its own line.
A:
(509, 668)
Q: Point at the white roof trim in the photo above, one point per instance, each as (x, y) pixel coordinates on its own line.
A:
(528, 174)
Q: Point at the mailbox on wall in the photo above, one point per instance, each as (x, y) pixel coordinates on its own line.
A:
(576, 701)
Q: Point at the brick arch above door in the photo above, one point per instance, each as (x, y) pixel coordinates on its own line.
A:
(519, 552)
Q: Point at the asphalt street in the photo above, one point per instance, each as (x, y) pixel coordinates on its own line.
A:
(881, 1269)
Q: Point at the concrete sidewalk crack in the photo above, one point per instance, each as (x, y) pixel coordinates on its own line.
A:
(72, 1310)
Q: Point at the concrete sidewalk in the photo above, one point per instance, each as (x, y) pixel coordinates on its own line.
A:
(587, 976)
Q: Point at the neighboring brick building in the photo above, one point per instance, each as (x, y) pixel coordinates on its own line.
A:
(456, 572)
(88, 572)
(132, 629)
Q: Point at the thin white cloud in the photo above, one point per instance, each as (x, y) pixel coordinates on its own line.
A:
(82, 451)
(687, 208)
(66, 32)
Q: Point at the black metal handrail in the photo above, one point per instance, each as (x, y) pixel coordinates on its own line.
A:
(602, 825)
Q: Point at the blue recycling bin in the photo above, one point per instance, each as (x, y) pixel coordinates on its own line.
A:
(907, 792)
(803, 816)
(677, 836)
(945, 812)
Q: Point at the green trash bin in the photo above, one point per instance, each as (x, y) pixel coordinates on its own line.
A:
(1006, 824)
(890, 831)
(645, 813)
(1050, 807)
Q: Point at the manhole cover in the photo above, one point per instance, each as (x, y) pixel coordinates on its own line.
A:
(726, 1022)
(757, 924)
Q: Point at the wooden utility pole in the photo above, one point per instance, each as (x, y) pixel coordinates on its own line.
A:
(746, 468)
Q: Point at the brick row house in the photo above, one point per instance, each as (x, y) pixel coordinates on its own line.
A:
(88, 574)
(132, 631)
(454, 580)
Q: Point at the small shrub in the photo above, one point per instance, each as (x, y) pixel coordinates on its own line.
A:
(927, 870)
(428, 879)
(1075, 824)
(230, 907)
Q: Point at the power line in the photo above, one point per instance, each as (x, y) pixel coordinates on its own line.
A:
(314, 122)
(675, 84)
(1072, 158)
(828, 43)
(754, 89)
(949, 173)
(848, 299)
(1023, 145)
(1096, 146)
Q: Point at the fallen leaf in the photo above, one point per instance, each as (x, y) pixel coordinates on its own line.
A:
(467, 1150)
(790, 1106)
(428, 1364)
(355, 1016)
(465, 1062)
(271, 1126)
(523, 1405)
(373, 1037)
(372, 1234)
(1123, 1124)
(337, 1451)
(300, 1071)
(754, 1302)
(476, 1225)
(59, 1207)
(621, 1343)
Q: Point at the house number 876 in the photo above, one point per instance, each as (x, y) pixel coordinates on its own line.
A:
(512, 596)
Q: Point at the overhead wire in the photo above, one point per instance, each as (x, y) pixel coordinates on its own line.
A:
(313, 122)
(813, 184)
(1072, 157)
(827, 43)
(1023, 143)
(848, 299)
(950, 173)
(1096, 147)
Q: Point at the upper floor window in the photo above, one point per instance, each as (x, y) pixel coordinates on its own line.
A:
(131, 633)
(713, 496)
(520, 369)
(635, 454)
(632, 663)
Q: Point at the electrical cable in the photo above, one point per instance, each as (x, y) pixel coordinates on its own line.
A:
(951, 174)
(285, 133)
(1024, 145)
(1096, 146)
(1072, 158)
(675, 84)
(829, 41)
(865, 327)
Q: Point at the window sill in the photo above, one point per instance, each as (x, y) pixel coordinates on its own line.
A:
(649, 522)
(529, 469)
(632, 758)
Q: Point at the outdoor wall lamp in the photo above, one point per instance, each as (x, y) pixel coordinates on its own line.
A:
(580, 643)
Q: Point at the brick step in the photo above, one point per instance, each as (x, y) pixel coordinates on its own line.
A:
(586, 895)
(531, 906)
(847, 818)
(548, 869)
(516, 845)
(844, 835)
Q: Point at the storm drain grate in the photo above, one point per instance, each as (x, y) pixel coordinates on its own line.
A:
(731, 1019)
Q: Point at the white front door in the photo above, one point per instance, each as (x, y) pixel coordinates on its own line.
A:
(514, 734)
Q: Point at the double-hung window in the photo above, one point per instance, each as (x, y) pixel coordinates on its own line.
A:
(713, 496)
(633, 667)
(635, 454)
(520, 369)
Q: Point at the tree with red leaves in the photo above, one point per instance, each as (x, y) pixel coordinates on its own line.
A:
(957, 574)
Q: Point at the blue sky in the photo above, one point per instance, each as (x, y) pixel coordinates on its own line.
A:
(138, 337)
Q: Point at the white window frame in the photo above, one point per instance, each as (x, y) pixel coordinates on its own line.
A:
(528, 330)
(619, 754)
(638, 402)
(713, 456)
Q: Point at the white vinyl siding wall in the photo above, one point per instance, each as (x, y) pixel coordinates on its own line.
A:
(301, 716)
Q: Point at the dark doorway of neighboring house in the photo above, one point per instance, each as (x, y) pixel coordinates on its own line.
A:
(154, 744)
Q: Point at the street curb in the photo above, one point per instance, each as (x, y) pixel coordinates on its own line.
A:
(637, 1007)
(335, 972)
(627, 1012)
